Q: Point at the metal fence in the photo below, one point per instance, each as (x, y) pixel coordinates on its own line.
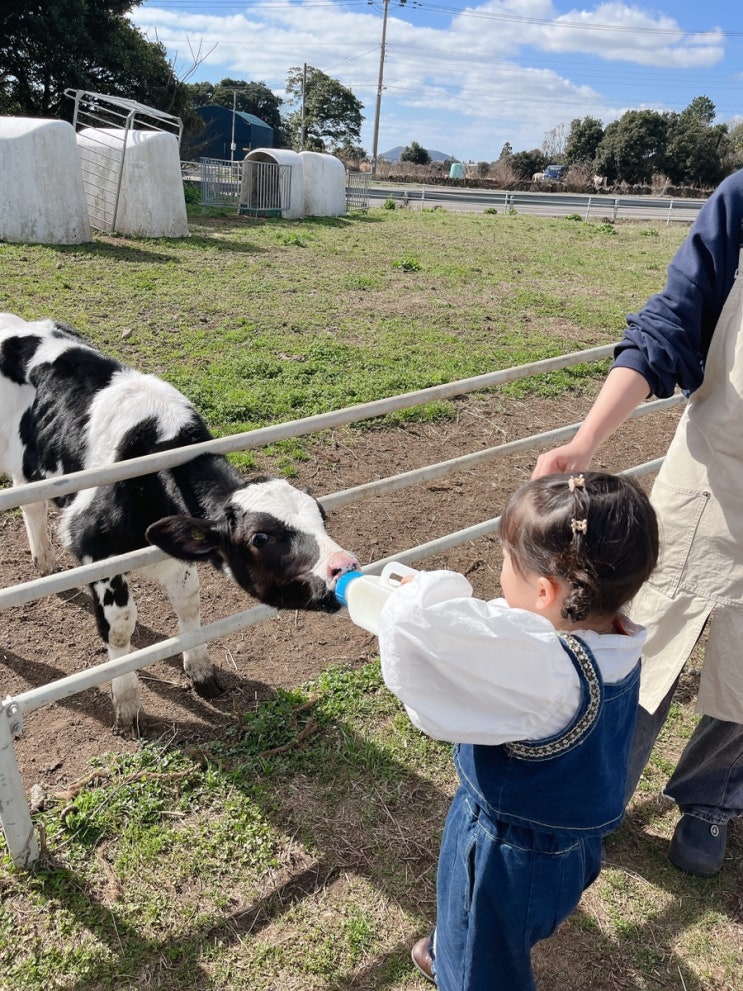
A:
(14, 812)
(265, 189)
(219, 182)
(265, 193)
(357, 190)
(108, 121)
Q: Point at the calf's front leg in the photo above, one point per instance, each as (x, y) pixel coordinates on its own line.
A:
(34, 518)
(181, 583)
(116, 616)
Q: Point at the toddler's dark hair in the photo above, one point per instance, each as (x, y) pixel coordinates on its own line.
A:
(598, 533)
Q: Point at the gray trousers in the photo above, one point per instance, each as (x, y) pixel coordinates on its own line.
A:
(708, 780)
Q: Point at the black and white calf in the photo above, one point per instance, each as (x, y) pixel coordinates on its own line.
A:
(66, 407)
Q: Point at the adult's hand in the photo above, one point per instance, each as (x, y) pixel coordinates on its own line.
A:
(623, 389)
(566, 458)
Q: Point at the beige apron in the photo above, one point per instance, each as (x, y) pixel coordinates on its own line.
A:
(698, 495)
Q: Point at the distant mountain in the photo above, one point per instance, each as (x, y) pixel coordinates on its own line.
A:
(393, 155)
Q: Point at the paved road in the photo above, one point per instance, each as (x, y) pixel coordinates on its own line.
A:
(594, 207)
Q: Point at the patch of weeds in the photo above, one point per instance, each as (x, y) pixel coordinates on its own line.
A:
(490, 210)
(358, 281)
(285, 455)
(435, 412)
(606, 229)
(649, 232)
(244, 461)
(191, 193)
(574, 216)
(389, 203)
(358, 933)
(407, 264)
(293, 239)
(139, 790)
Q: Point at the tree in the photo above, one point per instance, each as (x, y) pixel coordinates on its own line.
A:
(633, 148)
(735, 134)
(200, 93)
(506, 152)
(701, 109)
(553, 145)
(583, 141)
(326, 116)
(695, 151)
(351, 153)
(734, 151)
(527, 163)
(79, 44)
(250, 98)
(416, 154)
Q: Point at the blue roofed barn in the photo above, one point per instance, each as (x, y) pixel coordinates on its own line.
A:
(215, 140)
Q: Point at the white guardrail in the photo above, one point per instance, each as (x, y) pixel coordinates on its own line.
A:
(14, 812)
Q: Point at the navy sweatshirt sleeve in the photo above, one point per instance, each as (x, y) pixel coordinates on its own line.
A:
(668, 340)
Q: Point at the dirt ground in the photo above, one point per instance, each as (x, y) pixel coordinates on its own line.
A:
(47, 639)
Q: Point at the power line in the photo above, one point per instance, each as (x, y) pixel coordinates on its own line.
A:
(469, 12)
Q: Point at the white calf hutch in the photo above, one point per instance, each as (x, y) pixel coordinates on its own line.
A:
(130, 162)
(42, 199)
(133, 182)
(272, 184)
(324, 184)
(283, 183)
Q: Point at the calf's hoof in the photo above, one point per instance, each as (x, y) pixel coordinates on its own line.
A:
(207, 688)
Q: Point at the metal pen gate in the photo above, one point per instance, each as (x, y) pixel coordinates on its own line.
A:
(15, 816)
(219, 182)
(107, 122)
(357, 190)
(265, 189)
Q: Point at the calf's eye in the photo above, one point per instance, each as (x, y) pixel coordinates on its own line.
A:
(259, 539)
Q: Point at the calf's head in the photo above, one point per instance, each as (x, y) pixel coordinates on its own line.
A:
(271, 538)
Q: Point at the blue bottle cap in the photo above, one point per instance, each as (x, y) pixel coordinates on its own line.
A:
(342, 583)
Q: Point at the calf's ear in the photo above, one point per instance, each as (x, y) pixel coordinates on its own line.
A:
(184, 537)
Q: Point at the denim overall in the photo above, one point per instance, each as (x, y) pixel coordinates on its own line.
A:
(522, 839)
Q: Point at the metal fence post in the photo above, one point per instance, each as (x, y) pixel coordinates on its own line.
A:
(14, 812)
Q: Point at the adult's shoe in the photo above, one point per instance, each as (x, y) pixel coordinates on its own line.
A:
(698, 847)
(423, 958)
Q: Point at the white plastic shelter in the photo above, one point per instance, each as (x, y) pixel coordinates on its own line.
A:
(324, 184)
(133, 181)
(42, 200)
(272, 182)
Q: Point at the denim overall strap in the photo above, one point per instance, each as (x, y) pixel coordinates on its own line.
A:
(587, 714)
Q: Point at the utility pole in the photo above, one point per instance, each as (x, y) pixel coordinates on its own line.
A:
(232, 142)
(380, 87)
(303, 129)
(375, 140)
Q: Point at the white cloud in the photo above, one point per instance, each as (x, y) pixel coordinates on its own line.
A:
(496, 71)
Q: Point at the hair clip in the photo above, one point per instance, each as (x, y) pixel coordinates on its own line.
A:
(579, 526)
(576, 482)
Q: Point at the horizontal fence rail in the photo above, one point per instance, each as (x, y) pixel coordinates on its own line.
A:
(551, 203)
(54, 488)
(84, 574)
(14, 813)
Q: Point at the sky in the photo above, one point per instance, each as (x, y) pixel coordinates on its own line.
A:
(467, 78)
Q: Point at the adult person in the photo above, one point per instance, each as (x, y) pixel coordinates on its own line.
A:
(690, 335)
